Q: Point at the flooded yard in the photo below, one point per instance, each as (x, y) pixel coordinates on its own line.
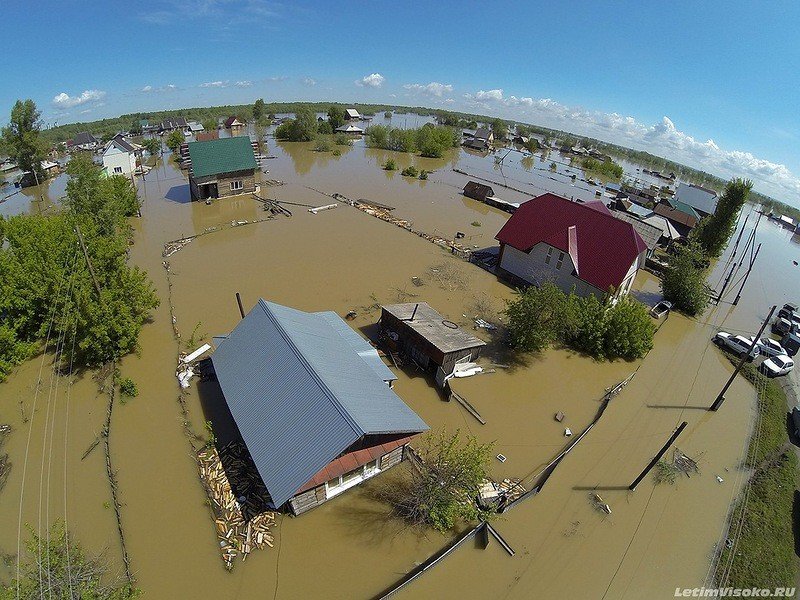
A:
(655, 539)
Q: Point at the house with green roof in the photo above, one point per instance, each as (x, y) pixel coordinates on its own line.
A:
(680, 214)
(221, 168)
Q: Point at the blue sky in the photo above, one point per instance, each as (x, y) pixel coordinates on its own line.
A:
(712, 84)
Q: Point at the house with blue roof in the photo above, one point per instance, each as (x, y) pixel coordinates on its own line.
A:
(313, 403)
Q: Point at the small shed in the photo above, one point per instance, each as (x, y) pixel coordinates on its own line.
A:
(235, 124)
(478, 191)
(350, 129)
(221, 168)
(433, 342)
(351, 114)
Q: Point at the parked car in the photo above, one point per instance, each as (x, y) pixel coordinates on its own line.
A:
(661, 309)
(738, 344)
(781, 326)
(787, 310)
(791, 342)
(769, 347)
(777, 366)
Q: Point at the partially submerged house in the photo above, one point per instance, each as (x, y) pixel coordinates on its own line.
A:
(478, 191)
(482, 139)
(50, 168)
(173, 123)
(83, 141)
(351, 114)
(221, 168)
(682, 216)
(350, 129)
(312, 403)
(235, 124)
(579, 247)
(650, 234)
(702, 200)
(120, 156)
(431, 341)
(195, 127)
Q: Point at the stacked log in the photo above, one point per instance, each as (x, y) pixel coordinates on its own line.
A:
(238, 500)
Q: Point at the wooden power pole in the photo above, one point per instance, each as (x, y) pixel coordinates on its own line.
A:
(658, 456)
(88, 260)
(721, 397)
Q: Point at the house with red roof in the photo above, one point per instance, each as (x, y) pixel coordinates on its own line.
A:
(577, 246)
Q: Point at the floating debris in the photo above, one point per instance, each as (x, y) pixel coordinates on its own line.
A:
(560, 416)
(417, 281)
(567, 432)
(238, 499)
(317, 209)
(171, 248)
(351, 315)
(493, 492)
(502, 458)
(720, 479)
(485, 325)
(599, 504)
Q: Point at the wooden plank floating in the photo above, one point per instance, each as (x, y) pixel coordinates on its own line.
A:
(470, 409)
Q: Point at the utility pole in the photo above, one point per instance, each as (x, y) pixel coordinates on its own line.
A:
(88, 260)
(746, 275)
(721, 397)
(658, 456)
(239, 302)
(725, 285)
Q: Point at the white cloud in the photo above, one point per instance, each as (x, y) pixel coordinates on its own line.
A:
(214, 84)
(64, 100)
(375, 80)
(147, 88)
(278, 78)
(243, 84)
(433, 89)
(662, 138)
(309, 81)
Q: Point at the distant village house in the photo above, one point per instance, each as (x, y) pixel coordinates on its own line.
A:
(311, 400)
(84, 141)
(221, 168)
(575, 246)
(351, 114)
(235, 124)
(701, 199)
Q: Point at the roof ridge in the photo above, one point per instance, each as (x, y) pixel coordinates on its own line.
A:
(311, 371)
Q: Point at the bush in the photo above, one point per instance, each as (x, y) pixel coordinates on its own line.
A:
(323, 145)
(476, 223)
(388, 114)
(127, 387)
(410, 171)
(629, 330)
(538, 317)
(390, 165)
(341, 139)
(423, 174)
(337, 152)
(324, 128)
(303, 128)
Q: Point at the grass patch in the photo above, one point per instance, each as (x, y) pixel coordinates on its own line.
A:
(765, 551)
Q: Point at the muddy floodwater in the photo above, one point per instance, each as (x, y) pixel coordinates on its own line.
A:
(655, 539)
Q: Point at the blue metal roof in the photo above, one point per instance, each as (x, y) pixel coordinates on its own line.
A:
(301, 393)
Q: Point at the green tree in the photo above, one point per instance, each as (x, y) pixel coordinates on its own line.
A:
(324, 128)
(175, 140)
(303, 128)
(538, 317)
(152, 145)
(441, 492)
(259, 110)
(591, 325)
(135, 127)
(629, 330)
(108, 200)
(335, 117)
(684, 281)
(532, 145)
(67, 572)
(713, 232)
(21, 137)
(500, 128)
(210, 124)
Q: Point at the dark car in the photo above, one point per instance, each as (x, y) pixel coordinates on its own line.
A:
(787, 311)
(796, 421)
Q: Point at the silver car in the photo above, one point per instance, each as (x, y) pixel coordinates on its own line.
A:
(769, 347)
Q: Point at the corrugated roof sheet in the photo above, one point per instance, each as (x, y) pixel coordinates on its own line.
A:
(300, 396)
(697, 197)
(224, 155)
(607, 247)
(650, 233)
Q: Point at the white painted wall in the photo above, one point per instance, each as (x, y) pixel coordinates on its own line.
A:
(119, 162)
(533, 268)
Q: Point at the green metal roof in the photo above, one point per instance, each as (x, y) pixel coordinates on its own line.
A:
(683, 207)
(224, 155)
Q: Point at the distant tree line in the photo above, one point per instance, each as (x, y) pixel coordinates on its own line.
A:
(429, 140)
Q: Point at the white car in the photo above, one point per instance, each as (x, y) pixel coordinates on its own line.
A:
(738, 344)
(769, 347)
(777, 366)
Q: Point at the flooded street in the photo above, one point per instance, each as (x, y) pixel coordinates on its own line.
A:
(345, 260)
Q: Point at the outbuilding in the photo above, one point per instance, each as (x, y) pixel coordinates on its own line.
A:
(433, 342)
(221, 168)
(311, 400)
(478, 191)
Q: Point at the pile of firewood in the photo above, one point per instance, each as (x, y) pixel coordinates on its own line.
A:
(238, 500)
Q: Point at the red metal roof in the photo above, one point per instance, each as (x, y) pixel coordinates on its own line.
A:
(350, 461)
(605, 246)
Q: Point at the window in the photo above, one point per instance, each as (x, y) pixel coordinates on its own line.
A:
(117, 169)
(549, 255)
(560, 260)
(237, 185)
